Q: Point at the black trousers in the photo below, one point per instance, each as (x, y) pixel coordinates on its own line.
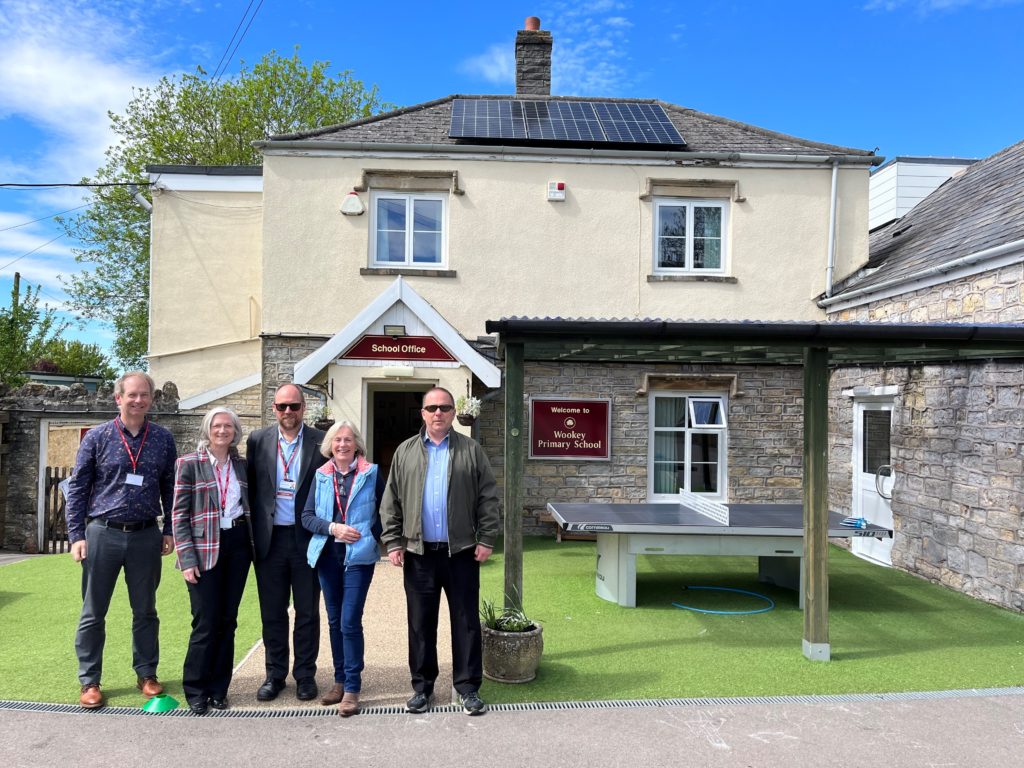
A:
(282, 575)
(459, 576)
(214, 600)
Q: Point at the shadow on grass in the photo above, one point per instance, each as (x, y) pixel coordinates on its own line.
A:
(9, 598)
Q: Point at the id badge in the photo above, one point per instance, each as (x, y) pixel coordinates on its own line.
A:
(133, 479)
(227, 522)
(286, 490)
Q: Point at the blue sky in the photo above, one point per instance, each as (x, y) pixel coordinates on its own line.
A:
(910, 77)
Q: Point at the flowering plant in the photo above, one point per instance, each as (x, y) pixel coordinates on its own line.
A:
(467, 406)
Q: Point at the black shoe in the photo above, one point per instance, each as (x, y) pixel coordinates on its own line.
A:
(199, 706)
(219, 703)
(306, 690)
(472, 704)
(269, 690)
(419, 703)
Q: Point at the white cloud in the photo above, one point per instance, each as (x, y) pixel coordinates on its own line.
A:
(496, 65)
(590, 55)
(924, 7)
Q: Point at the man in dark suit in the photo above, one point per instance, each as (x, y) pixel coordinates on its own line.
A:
(281, 462)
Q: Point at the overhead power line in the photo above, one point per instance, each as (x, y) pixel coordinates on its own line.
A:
(43, 218)
(223, 69)
(59, 184)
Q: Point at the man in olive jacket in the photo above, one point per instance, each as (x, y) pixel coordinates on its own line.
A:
(441, 518)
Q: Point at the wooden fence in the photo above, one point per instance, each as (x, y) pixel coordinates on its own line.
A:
(55, 531)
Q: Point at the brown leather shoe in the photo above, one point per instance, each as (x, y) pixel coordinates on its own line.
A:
(92, 697)
(349, 705)
(149, 686)
(333, 696)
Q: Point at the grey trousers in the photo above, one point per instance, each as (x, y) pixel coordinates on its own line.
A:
(109, 551)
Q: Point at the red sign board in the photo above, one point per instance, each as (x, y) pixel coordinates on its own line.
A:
(570, 429)
(413, 348)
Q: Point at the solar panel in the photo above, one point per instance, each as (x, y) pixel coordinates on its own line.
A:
(586, 122)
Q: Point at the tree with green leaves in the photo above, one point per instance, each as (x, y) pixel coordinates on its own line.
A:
(25, 330)
(189, 120)
(72, 357)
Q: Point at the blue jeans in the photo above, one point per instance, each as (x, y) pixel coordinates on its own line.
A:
(344, 597)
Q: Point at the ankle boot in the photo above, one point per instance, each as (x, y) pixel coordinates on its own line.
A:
(333, 696)
(349, 704)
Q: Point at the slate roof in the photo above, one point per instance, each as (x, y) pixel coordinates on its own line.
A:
(428, 123)
(979, 209)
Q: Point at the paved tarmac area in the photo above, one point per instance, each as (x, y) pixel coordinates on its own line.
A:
(925, 733)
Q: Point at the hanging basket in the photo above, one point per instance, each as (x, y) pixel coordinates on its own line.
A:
(465, 419)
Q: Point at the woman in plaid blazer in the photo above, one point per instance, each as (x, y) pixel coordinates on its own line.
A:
(213, 540)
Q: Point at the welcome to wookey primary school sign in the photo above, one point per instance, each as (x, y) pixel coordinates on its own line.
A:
(570, 429)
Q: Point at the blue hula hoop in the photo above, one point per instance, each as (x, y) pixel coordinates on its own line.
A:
(771, 603)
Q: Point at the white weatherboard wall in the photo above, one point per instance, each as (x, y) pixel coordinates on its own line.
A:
(899, 185)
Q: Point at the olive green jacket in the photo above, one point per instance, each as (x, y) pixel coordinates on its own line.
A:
(473, 510)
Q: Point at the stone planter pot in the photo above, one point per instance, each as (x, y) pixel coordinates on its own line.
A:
(465, 419)
(512, 657)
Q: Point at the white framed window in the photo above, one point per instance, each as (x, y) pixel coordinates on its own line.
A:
(408, 229)
(690, 236)
(687, 444)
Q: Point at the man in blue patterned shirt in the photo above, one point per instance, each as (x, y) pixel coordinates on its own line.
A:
(123, 474)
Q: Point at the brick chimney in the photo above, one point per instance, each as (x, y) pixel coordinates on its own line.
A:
(533, 60)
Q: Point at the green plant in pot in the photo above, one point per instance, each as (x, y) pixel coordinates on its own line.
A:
(512, 643)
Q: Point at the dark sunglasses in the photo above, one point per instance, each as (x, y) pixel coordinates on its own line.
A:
(441, 408)
(282, 407)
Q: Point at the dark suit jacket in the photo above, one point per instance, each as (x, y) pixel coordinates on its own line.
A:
(261, 460)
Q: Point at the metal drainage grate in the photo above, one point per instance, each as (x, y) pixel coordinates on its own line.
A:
(540, 706)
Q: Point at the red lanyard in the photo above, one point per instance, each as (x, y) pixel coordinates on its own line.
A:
(337, 497)
(124, 441)
(291, 458)
(223, 492)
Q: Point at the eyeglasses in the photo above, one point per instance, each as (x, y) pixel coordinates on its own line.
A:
(282, 407)
(441, 408)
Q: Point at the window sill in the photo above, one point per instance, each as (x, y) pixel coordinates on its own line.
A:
(691, 279)
(407, 272)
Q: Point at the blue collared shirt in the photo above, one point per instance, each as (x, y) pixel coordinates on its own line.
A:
(435, 491)
(290, 453)
(98, 488)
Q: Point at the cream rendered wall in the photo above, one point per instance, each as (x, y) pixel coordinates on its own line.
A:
(516, 253)
(205, 266)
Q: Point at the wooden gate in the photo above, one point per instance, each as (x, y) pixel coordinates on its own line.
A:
(55, 532)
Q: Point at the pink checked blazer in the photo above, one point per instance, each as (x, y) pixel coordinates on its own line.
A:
(195, 515)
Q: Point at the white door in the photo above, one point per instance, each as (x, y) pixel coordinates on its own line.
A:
(872, 476)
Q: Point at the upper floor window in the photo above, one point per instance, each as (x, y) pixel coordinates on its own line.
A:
(687, 444)
(689, 236)
(408, 229)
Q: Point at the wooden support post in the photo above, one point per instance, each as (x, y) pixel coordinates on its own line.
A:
(815, 642)
(514, 455)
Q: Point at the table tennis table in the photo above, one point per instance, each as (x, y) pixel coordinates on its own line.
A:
(772, 532)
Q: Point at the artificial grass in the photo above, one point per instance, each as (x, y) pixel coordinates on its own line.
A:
(889, 632)
(40, 601)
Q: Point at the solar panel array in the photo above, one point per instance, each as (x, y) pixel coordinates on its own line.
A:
(586, 122)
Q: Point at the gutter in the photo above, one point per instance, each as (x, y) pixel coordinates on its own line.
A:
(501, 149)
(939, 269)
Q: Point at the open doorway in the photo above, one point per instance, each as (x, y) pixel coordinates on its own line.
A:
(394, 417)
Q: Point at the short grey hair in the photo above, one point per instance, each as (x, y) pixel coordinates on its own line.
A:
(204, 429)
(119, 384)
(325, 444)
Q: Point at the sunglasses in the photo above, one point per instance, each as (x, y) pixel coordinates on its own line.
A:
(282, 407)
(441, 408)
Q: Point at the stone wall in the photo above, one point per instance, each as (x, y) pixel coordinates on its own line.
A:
(27, 407)
(765, 435)
(280, 353)
(958, 457)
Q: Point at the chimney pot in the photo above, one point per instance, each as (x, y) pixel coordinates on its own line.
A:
(532, 23)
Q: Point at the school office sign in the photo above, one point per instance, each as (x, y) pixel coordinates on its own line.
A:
(423, 348)
(570, 429)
